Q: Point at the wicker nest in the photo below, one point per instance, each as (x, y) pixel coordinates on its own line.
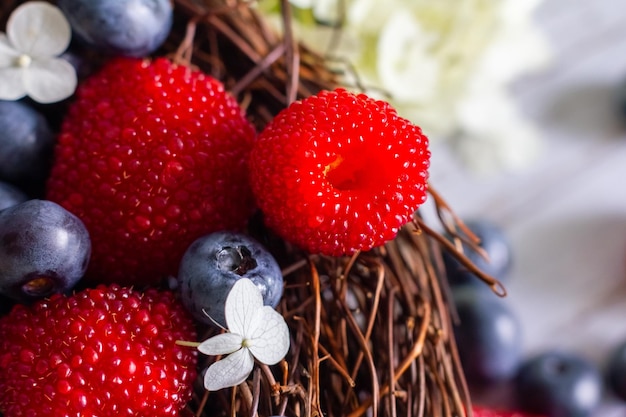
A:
(371, 334)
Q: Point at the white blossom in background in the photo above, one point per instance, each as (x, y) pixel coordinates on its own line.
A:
(254, 331)
(36, 34)
(444, 65)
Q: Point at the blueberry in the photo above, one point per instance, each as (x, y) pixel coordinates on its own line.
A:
(620, 98)
(212, 265)
(489, 336)
(558, 384)
(126, 27)
(496, 245)
(616, 371)
(10, 195)
(26, 145)
(85, 62)
(43, 249)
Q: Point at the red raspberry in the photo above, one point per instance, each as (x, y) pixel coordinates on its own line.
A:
(486, 412)
(151, 156)
(338, 172)
(103, 352)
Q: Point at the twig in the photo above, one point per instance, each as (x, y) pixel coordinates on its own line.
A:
(292, 54)
(493, 283)
(314, 396)
(391, 346)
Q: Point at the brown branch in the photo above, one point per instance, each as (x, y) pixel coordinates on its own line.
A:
(314, 394)
(495, 285)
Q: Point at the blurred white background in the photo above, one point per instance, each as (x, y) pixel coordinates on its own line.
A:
(565, 212)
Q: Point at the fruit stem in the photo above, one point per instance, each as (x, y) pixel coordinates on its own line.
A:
(187, 343)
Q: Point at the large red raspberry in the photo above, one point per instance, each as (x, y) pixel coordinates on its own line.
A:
(103, 352)
(339, 172)
(151, 156)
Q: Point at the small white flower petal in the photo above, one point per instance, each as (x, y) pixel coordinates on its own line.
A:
(39, 29)
(495, 136)
(221, 344)
(327, 10)
(303, 4)
(405, 67)
(8, 54)
(502, 64)
(369, 16)
(12, 83)
(50, 80)
(269, 342)
(230, 371)
(512, 11)
(242, 305)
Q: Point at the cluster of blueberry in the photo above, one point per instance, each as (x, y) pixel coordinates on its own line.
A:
(45, 248)
(553, 383)
(34, 260)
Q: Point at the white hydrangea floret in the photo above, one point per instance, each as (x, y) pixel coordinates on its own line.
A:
(36, 34)
(254, 331)
(495, 135)
(303, 4)
(426, 57)
(404, 65)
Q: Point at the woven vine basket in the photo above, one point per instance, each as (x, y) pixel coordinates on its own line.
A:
(371, 334)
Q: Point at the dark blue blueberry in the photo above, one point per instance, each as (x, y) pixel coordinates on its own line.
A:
(6, 304)
(84, 61)
(489, 336)
(559, 384)
(620, 98)
(10, 195)
(496, 245)
(26, 145)
(125, 27)
(616, 371)
(212, 265)
(44, 249)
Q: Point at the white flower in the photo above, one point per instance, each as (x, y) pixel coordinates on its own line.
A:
(303, 4)
(255, 331)
(405, 68)
(495, 136)
(36, 34)
(427, 56)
